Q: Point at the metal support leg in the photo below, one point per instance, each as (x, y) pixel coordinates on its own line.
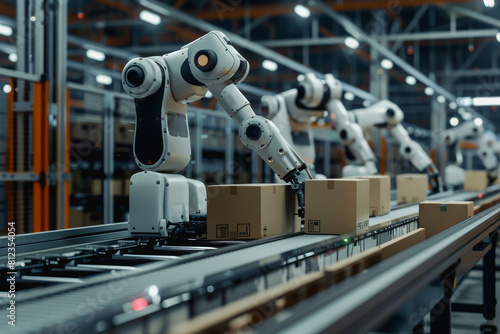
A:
(489, 285)
(441, 312)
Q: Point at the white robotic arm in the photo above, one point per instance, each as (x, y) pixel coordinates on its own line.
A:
(161, 87)
(386, 114)
(293, 122)
(315, 94)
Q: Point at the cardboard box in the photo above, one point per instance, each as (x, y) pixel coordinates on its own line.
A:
(336, 206)
(380, 193)
(476, 180)
(437, 216)
(251, 211)
(124, 133)
(118, 187)
(411, 188)
(96, 187)
(76, 217)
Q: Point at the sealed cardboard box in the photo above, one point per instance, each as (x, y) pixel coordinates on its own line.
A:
(437, 216)
(411, 188)
(380, 193)
(475, 180)
(336, 206)
(251, 211)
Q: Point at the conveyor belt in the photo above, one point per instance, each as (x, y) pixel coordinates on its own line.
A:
(47, 312)
(63, 304)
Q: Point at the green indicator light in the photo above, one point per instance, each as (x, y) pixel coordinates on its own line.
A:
(346, 240)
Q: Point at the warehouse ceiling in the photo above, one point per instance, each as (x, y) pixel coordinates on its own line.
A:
(451, 42)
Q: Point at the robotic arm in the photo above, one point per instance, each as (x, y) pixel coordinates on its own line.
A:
(386, 114)
(487, 150)
(161, 87)
(294, 122)
(295, 109)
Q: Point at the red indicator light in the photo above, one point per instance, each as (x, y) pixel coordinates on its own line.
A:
(80, 15)
(480, 195)
(139, 304)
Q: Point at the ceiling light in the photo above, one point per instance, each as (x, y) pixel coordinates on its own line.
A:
(269, 65)
(302, 11)
(103, 79)
(349, 96)
(454, 121)
(464, 101)
(13, 57)
(410, 80)
(441, 99)
(428, 91)
(149, 17)
(96, 55)
(478, 121)
(452, 105)
(489, 3)
(7, 89)
(486, 101)
(351, 42)
(387, 64)
(5, 30)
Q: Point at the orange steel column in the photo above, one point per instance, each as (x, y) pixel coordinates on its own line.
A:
(38, 143)
(383, 155)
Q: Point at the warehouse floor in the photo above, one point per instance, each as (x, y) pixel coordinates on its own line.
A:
(470, 291)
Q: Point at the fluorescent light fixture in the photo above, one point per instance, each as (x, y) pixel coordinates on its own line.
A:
(149, 17)
(410, 80)
(486, 101)
(104, 79)
(7, 89)
(366, 103)
(498, 36)
(351, 42)
(454, 121)
(428, 91)
(302, 11)
(387, 64)
(489, 3)
(269, 65)
(349, 96)
(452, 105)
(13, 57)
(478, 121)
(441, 99)
(5, 30)
(209, 94)
(96, 55)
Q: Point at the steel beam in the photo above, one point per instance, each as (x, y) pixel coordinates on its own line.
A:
(472, 14)
(360, 35)
(413, 23)
(257, 48)
(422, 36)
(61, 78)
(108, 50)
